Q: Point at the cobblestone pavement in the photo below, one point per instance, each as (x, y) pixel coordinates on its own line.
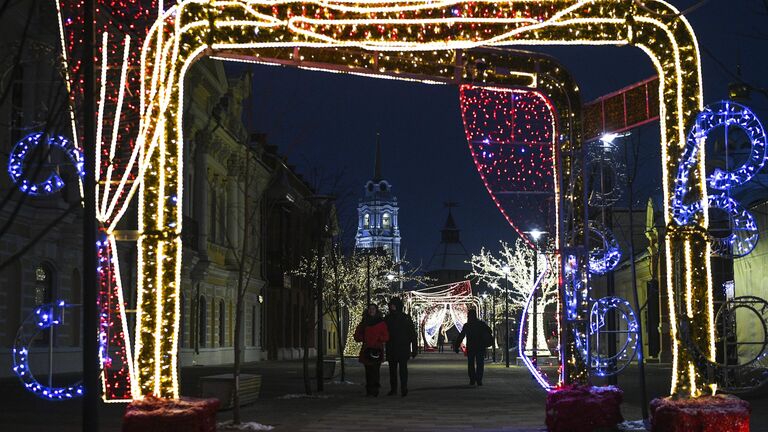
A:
(439, 399)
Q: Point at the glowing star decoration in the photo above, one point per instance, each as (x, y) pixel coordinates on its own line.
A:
(407, 32)
(44, 317)
(29, 147)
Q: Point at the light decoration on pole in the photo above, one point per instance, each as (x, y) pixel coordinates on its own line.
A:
(601, 363)
(606, 256)
(744, 232)
(44, 317)
(602, 158)
(120, 31)
(250, 28)
(28, 147)
(538, 374)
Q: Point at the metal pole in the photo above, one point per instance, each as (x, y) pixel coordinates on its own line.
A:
(493, 315)
(90, 407)
(640, 356)
(535, 306)
(506, 320)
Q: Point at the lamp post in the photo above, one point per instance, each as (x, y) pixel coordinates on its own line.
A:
(493, 320)
(506, 315)
(535, 235)
(322, 203)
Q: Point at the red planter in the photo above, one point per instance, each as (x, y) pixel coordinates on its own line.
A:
(168, 415)
(720, 413)
(583, 409)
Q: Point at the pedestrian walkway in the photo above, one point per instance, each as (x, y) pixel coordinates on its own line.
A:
(439, 399)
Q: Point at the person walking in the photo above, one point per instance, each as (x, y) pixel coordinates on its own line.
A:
(401, 345)
(479, 337)
(372, 332)
(440, 341)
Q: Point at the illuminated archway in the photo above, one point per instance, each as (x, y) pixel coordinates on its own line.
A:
(407, 34)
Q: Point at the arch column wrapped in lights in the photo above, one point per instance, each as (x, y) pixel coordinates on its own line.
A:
(196, 28)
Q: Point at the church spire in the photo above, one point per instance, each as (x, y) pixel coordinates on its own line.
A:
(377, 162)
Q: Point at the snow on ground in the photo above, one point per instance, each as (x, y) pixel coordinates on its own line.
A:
(304, 396)
(244, 426)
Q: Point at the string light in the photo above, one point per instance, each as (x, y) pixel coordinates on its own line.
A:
(26, 148)
(250, 27)
(44, 317)
(119, 24)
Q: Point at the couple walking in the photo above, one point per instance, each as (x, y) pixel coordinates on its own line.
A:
(395, 335)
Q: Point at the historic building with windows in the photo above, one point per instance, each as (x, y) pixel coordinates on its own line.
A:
(247, 215)
(378, 225)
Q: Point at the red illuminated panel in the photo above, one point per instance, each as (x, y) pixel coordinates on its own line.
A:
(512, 135)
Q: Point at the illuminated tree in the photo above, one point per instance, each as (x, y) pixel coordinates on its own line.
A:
(489, 268)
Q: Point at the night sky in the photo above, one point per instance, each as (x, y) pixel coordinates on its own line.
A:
(326, 124)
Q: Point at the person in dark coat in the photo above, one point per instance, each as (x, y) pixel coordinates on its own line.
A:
(372, 332)
(477, 334)
(401, 345)
(440, 341)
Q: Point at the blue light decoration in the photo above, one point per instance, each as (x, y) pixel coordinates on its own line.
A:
(601, 363)
(53, 183)
(606, 256)
(744, 236)
(603, 158)
(44, 316)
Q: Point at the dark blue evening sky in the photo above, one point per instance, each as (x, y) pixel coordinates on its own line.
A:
(327, 123)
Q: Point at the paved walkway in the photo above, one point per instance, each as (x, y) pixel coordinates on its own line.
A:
(440, 399)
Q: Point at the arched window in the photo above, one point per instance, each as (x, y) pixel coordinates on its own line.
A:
(212, 216)
(386, 221)
(43, 284)
(43, 294)
(202, 321)
(222, 321)
(366, 220)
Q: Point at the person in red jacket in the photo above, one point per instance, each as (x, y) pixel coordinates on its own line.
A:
(373, 333)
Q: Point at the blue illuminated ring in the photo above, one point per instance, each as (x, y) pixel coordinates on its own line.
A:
(53, 183)
(606, 256)
(744, 232)
(732, 114)
(43, 317)
(609, 364)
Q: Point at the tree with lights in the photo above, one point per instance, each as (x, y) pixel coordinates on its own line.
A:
(518, 261)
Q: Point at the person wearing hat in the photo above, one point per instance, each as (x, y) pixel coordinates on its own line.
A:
(401, 345)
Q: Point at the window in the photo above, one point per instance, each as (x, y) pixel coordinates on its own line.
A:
(222, 322)
(202, 318)
(366, 220)
(386, 221)
(42, 285)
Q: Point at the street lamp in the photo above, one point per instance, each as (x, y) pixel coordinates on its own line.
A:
(505, 269)
(536, 234)
(493, 319)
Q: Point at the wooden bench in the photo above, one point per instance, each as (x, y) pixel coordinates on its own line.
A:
(222, 387)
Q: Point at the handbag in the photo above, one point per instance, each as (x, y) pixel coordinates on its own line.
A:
(372, 354)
